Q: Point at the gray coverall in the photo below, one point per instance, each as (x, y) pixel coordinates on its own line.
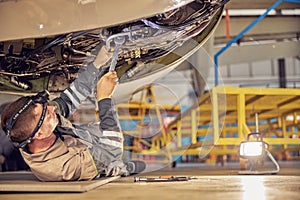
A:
(103, 141)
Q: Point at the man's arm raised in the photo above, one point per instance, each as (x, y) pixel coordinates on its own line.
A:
(84, 85)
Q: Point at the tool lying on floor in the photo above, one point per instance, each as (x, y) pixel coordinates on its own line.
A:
(163, 179)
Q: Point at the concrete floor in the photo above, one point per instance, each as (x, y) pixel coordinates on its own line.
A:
(212, 183)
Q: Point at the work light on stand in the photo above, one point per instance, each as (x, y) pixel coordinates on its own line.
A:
(255, 151)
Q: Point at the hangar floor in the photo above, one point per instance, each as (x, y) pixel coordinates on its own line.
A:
(213, 182)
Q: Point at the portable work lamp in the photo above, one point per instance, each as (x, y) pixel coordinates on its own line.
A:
(255, 151)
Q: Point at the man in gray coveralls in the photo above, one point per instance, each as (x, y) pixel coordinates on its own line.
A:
(55, 149)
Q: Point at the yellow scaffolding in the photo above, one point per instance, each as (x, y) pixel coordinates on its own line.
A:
(222, 119)
(229, 115)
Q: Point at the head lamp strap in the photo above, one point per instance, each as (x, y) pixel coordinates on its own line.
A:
(38, 126)
(41, 97)
(14, 118)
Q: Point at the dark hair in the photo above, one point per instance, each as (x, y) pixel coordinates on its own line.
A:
(24, 125)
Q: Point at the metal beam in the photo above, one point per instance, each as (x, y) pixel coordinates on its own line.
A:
(282, 72)
(258, 4)
(280, 25)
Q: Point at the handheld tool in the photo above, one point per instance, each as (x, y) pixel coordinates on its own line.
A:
(163, 179)
(118, 43)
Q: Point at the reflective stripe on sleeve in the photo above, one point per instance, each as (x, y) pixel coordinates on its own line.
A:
(78, 94)
(112, 134)
(111, 143)
(72, 98)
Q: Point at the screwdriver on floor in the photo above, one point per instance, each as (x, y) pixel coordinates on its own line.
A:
(163, 179)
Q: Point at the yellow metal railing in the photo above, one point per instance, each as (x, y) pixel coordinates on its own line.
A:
(223, 117)
(233, 117)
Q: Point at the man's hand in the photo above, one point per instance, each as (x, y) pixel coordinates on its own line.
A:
(106, 85)
(102, 58)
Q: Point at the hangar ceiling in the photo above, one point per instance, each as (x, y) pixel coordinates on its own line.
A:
(277, 35)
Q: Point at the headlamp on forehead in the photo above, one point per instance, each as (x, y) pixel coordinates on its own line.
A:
(42, 98)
